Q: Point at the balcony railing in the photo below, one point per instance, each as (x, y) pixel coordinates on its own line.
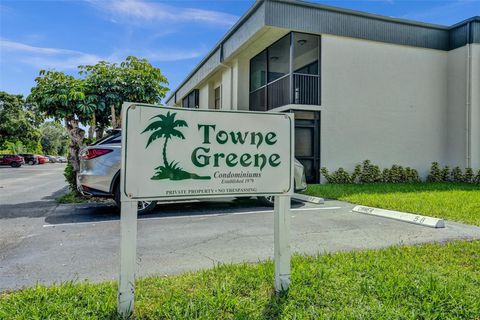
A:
(277, 92)
(257, 99)
(306, 90)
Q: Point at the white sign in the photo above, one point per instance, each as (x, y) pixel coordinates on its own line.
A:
(176, 153)
(179, 153)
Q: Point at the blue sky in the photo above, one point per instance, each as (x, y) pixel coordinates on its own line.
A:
(172, 35)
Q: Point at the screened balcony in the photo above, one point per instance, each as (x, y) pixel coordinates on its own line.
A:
(287, 72)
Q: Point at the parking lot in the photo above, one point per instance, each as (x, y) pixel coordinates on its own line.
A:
(42, 241)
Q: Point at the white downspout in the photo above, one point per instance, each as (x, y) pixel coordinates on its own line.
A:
(468, 105)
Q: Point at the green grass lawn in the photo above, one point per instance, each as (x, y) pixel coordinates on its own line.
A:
(453, 201)
(432, 281)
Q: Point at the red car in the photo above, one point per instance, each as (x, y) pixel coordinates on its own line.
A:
(42, 159)
(12, 160)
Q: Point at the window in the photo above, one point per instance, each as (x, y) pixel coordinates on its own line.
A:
(306, 53)
(218, 100)
(288, 79)
(279, 59)
(191, 100)
(258, 71)
(306, 80)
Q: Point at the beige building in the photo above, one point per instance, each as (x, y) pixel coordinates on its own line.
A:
(361, 86)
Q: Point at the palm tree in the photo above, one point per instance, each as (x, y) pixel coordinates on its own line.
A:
(165, 128)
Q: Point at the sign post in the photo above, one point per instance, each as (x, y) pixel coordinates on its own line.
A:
(179, 154)
(128, 254)
(281, 239)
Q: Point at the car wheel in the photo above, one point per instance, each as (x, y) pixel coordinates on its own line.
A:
(31, 162)
(143, 206)
(146, 206)
(268, 201)
(15, 164)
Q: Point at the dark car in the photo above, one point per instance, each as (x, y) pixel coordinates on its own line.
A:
(29, 158)
(12, 160)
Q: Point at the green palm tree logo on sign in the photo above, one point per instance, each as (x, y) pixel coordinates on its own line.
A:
(166, 127)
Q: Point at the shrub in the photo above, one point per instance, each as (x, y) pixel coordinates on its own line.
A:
(397, 174)
(370, 173)
(325, 173)
(70, 177)
(457, 175)
(469, 175)
(446, 174)
(477, 178)
(356, 173)
(339, 176)
(435, 174)
(386, 175)
(412, 175)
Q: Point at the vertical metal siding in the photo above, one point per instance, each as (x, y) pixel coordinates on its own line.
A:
(304, 17)
(458, 36)
(476, 32)
(201, 74)
(316, 20)
(245, 32)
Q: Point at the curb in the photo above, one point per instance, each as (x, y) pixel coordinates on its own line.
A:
(402, 216)
(305, 198)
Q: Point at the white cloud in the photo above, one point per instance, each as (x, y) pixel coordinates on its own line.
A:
(142, 11)
(161, 54)
(17, 46)
(61, 63)
(173, 55)
(44, 57)
(64, 59)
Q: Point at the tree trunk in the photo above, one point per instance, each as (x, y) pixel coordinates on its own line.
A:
(119, 121)
(114, 116)
(99, 133)
(91, 129)
(76, 135)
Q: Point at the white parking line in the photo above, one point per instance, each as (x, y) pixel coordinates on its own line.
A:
(186, 216)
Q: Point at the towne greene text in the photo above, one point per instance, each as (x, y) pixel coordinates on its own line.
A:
(191, 153)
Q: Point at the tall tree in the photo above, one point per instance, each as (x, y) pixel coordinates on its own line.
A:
(54, 138)
(62, 97)
(132, 80)
(18, 123)
(95, 100)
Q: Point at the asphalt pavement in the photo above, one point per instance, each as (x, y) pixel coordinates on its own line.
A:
(27, 193)
(41, 241)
